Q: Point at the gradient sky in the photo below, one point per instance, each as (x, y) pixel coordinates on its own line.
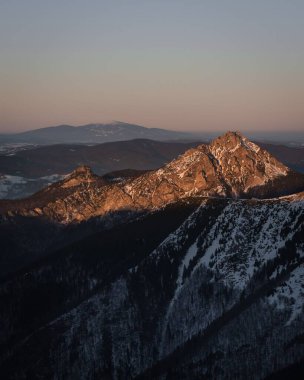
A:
(186, 65)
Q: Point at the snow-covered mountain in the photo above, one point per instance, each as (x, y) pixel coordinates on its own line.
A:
(191, 278)
(221, 294)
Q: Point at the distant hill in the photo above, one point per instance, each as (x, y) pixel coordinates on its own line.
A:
(290, 156)
(93, 134)
(24, 172)
(138, 154)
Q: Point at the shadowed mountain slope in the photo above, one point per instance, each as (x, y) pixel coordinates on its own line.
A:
(216, 293)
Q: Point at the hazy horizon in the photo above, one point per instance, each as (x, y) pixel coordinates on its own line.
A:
(187, 66)
(205, 130)
(266, 135)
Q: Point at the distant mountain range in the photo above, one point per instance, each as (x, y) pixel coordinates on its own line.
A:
(99, 133)
(93, 134)
(191, 271)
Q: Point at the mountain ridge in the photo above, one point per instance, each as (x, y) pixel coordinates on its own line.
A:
(214, 290)
(94, 133)
(231, 166)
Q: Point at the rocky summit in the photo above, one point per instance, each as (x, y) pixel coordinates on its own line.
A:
(191, 271)
(231, 166)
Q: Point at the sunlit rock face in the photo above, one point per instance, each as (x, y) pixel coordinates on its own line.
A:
(243, 164)
(231, 166)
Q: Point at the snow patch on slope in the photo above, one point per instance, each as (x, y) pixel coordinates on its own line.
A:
(290, 295)
(12, 187)
(245, 237)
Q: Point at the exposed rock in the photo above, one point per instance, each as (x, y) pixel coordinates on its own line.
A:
(231, 166)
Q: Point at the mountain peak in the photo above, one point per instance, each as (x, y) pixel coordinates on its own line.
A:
(231, 134)
(82, 174)
(231, 166)
(231, 141)
(83, 170)
(243, 164)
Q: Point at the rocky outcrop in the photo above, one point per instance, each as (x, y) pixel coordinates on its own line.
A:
(231, 166)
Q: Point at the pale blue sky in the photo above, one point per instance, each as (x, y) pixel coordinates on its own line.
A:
(195, 65)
